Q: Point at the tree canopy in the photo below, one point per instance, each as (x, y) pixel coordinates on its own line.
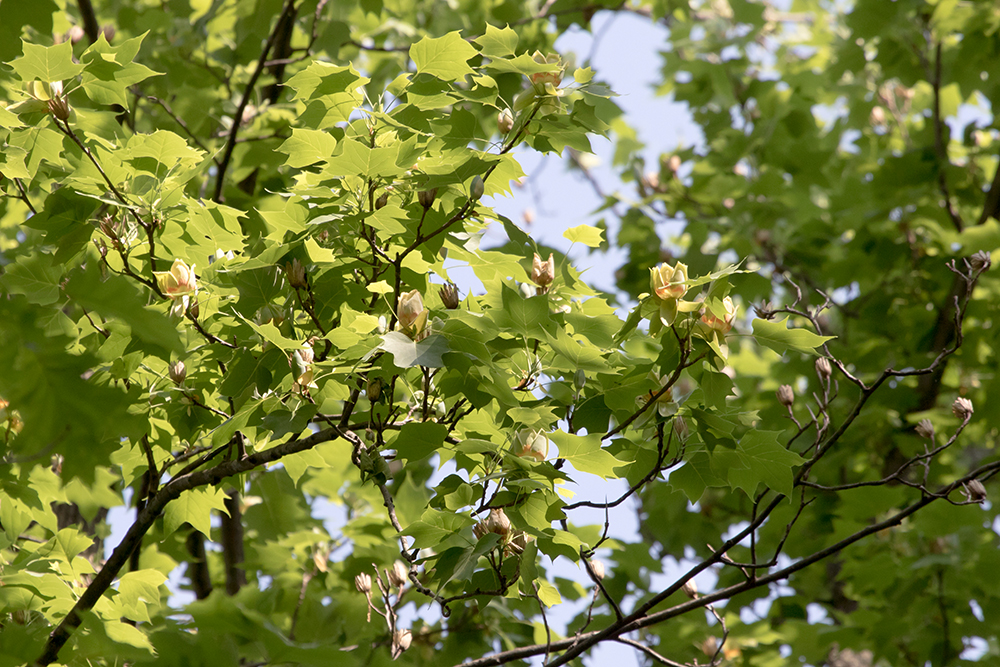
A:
(226, 231)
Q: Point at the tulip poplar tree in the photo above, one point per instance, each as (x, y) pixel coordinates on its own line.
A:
(226, 232)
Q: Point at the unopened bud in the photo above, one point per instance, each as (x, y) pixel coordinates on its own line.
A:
(477, 189)
(296, 274)
(925, 429)
(426, 197)
(786, 396)
(498, 523)
(823, 368)
(177, 372)
(449, 296)
(401, 640)
(194, 309)
(374, 389)
(580, 380)
(975, 490)
(690, 589)
(398, 574)
(962, 408)
(382, 201)
(597, 567)
(363, 582)
(505, 121)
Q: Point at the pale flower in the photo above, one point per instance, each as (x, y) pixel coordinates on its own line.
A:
(668, 282)
(178, 281)
(533, 444)
(540, 79)
(411, 314)
(543, 273)
(721, 324)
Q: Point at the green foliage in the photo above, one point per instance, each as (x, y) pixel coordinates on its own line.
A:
(224, 232)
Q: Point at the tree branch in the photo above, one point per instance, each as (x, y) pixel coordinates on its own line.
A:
(227, 154)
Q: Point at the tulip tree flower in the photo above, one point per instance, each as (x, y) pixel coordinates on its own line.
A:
(543, 273)
(533, 444)
(505, 121)
(412, 315)
(668, 282)
(179, 281)
(721, 322)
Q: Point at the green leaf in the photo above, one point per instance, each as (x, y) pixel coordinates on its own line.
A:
(585, 234)
(758, 458)
(778, 337)
(435, 526)
(34, 276)
(585, 454)
(529, 318)
(498, 42)
(418, 440)
(47, 63)
(116, 297)
(445, 57)
(137, 589)
(578, 353)
(306, 147)
(194, 507)
(356, 159)
(110, 70)
(406, 353)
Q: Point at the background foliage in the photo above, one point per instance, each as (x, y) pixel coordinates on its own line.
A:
(260, 190)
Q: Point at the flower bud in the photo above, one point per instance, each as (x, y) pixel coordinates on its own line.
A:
(194, 308)
(975, 490)
(533, 444)
(374, 389)
(177, 372)
(962, 408)
(411, 313)
(398, 575)
(178, 281)
(401, 640)
(668, 282)
(363, 582)
(823, 368)
(75, 34)
(505, 121)
(449, 296)
(786, 396)
(296, 274)
(498, 523)
(580, 380)
(477, 189)
(426, 197)
(382, 201)
(690, 589)
(925, 429)
(543, 273)
(721, 324)
(597, 567)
